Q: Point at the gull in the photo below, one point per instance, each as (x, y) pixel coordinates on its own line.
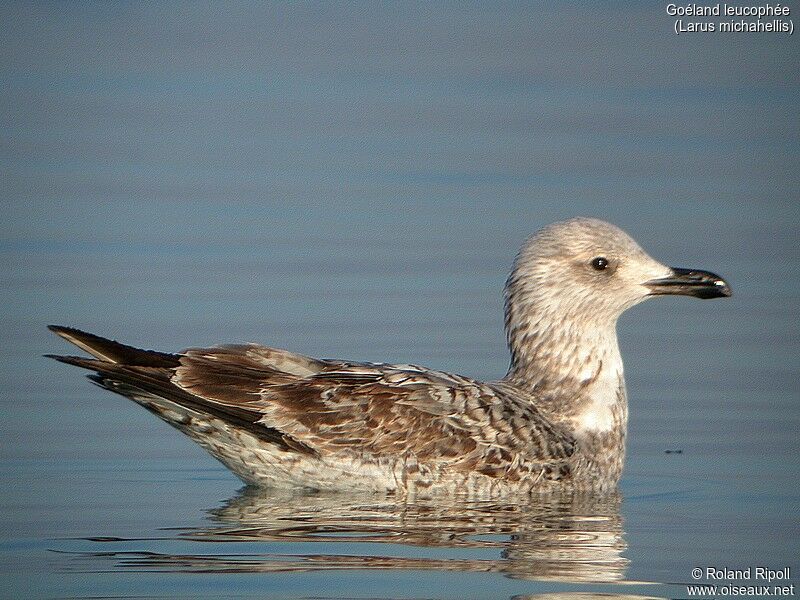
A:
(556, 422)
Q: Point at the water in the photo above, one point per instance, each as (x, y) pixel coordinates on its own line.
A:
(354, 184)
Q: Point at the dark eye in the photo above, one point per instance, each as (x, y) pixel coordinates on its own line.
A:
(600, 263)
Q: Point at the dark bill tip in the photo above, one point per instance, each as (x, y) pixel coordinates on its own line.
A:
(690, 282)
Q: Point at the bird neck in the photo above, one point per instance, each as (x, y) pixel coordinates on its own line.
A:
(572, 367)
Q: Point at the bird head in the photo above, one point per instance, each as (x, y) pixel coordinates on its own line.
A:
(589, 269)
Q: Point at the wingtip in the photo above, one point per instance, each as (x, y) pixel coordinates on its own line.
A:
(74, 336)
(63, 331)
(111, 351)
(88, 342)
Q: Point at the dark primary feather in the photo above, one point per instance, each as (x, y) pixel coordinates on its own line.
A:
(112, 351)
(328, 408)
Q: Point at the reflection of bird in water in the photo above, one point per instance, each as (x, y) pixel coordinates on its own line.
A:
(557, 420)
(564, 538)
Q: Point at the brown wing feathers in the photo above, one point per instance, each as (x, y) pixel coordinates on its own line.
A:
(321, 407)
(230, 375)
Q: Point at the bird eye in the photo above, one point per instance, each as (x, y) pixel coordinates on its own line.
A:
(600, 263)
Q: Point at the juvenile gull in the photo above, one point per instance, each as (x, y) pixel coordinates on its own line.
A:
(556, 421)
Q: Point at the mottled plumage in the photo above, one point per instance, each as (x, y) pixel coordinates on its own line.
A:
(557, 420)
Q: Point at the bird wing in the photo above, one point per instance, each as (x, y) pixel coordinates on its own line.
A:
(326, 407)
(376, 410)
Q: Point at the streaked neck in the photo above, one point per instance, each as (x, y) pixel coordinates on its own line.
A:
(561, 355)
(572, 367)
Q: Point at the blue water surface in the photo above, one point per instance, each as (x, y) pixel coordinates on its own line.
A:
(353, 181)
